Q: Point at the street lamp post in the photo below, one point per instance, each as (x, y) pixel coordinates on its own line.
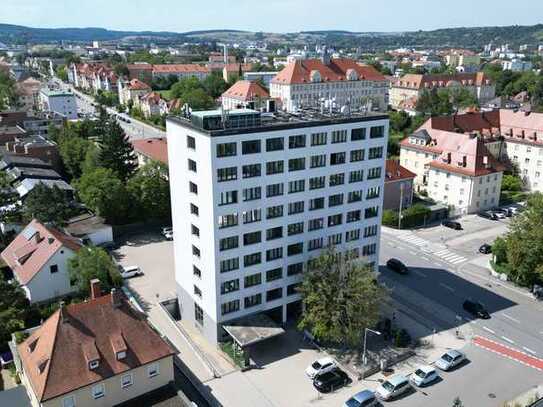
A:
(366, 330)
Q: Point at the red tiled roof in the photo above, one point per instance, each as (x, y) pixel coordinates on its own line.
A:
(417, 81)
(33, 247)
(136, 84)
(174, 68)
(154, 148)
(235, 67)
(300, 71)
(395, 172)
(56, 356)
(152, 98)
(246, 91)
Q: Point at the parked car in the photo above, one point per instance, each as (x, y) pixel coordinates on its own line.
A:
(130, 271)
(488, 215)
(476, 309)
(365, 398)
(166, 230)
(397, 266)
(450, 359)
(499, 214)
(330, 381)
(322, 365)
(507, 212)
(485, 248)
(423, 376)
(6, 358)
(393, 387)
(452, 224)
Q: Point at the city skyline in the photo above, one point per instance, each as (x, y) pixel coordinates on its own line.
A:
(301, 16)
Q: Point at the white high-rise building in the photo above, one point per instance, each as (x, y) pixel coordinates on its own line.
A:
(255, 196)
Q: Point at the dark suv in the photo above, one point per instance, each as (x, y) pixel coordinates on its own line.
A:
(397, 266)
(488, 215)
(330, 381)
(476, 309)
(452, 224)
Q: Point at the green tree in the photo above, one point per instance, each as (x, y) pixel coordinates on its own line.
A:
(104, 193)
(13, 306)
(198, 99)
(184, 86)
(415, 215)
(9, 201)
(73, 151)
(511, 183)
(61, 73)
(151, 189)
(48, 205)
(390, 218)
(341, 298)
(116, 151)
(8, 94)
(93, 262)
(215, 85)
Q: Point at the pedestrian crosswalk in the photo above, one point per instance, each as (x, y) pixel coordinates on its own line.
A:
(413, 239)
(450, 257)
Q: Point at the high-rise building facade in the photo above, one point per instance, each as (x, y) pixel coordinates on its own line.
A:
(255, 197)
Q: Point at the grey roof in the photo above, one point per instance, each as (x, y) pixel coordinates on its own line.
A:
(421, 134)
(10, 161)
(252, 329)
(82, 225)
(21, 173)
(15, 397)
(28, 185)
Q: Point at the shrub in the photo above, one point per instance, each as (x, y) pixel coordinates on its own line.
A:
(402, 339)
(390, 218)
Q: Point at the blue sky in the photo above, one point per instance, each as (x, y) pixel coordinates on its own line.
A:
(270, 15)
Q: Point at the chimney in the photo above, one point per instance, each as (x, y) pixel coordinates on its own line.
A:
(116, 298)
(485, 161)
(95, 289)
(63, 315)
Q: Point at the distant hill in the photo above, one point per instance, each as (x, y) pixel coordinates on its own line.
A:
(471, 37)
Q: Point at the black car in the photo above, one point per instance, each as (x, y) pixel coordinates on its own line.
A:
(397, 266)
(488, 215)
(506, 211)
(452, 224)
(485, 249)
(330, 381)
(476, 309)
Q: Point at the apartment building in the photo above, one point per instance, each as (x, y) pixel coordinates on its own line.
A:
(256, 196)
(180, 71)
(250, 94)
(306, 83)
(60, 102)
(409, 87)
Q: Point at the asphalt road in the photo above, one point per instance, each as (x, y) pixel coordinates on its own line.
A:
(436, 288)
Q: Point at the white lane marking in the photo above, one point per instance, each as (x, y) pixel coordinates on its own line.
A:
(390, 244)
(529, 350)
(511, 318)
(489, 330)
(505, 338)
(441, 252)
(424, 258)
(447, 287)
(419, 273)
(460, 260)
(413, 253)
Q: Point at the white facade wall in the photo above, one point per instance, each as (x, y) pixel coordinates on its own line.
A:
(208, 198)
(65, 104)
(45, 285)
(529, 159)
(181, 75)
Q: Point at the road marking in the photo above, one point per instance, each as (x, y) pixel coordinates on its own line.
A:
(528, 350)
(508, 352)
(390, 244)
(489, 330)
(441, 252)
(511, 318)
(424, 258)
(412, 253)
(447, 287)
(505, 338)
(419, 273)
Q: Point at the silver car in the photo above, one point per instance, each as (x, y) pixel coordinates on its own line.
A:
(450, 359)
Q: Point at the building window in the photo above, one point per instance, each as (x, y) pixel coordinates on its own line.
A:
(371, 212)
(68, 401)
(356, 176)
(252, 238)
(227, 174)
(275, 167)
(230, 286)
(98, 391)
(296, 164)
(252, 216)
(274, 254)
(358, 134)
(357, 155)
(334, 239)
(194, 209)
(229, 265)
(274, 233)
(274, 144)
(226, 221)
(374, 173)
(317, 182)
(339, 136)
(196, 251)
(53, 268)
(296, 186)
(334, 220)
(296, 141)
(353, 216)
(377, 132)
(294, 249)
(370, 231)
(292, 289)
(337, 158)
(370, 249)
(192, 165)
(294, 269)
(375, 152)
(337, 179)
(317, 161)
(228, 243)
(196, 271)
(335, 200)
(198, 314)
(295, 228)
(252, 280)
(315, 244)
(352, 235)
(274, 190)
(251, 194)
(194, 231)
(274, 294)
(316, 203)
(251, 171)
(373, 192)
(226, 150)
(252, 259)
(295, 207)
(193, 188)
(197, 291)
(315, 224)
(229, 307)
(274, 212)
(354, 196)
(318, 139)
(191, 143)
(253, 300)
(228, 198)
(275, 274)
(250, 147)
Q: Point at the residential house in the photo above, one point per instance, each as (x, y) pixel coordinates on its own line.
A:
(398, 190)
(180, 71)
(98, 353)
(28, 91)
(34, 146)
(90, 228)
(339, 82)
(152, 104)
(151, 149)
(462, 58)
(38, 257)
(231, 71)
(411, 86)
(132, 91)
(246, 94)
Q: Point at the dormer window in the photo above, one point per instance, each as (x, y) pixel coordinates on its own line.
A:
(121, 355)
(93, 364)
